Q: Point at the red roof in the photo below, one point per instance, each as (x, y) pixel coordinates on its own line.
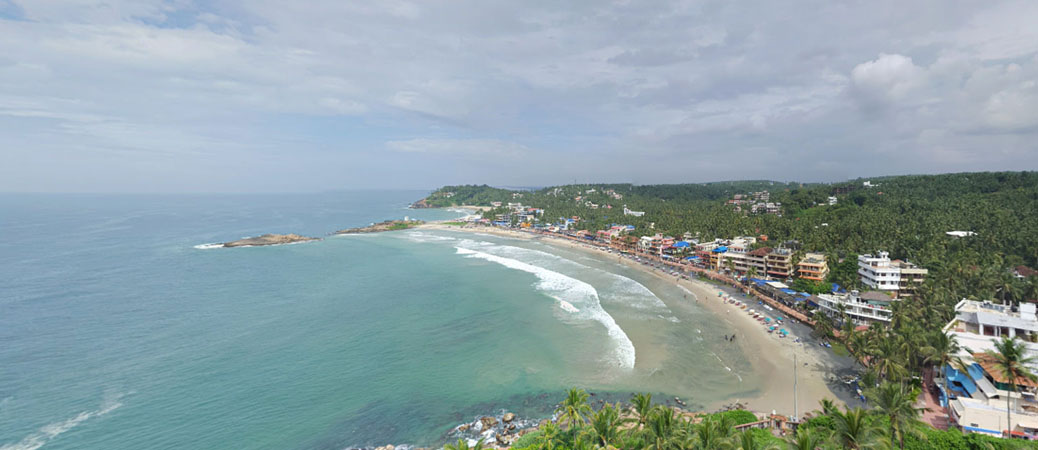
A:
(1025, 271)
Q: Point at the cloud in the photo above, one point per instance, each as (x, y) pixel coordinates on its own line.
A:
(479, 149)
(886, 79)
(762, 89)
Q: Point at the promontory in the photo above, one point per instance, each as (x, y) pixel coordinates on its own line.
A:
(389, 225)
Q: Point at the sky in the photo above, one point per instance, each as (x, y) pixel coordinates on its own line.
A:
(303, 96)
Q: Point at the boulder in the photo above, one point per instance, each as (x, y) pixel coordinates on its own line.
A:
(508, 417)
(488, 421)
(463, 427)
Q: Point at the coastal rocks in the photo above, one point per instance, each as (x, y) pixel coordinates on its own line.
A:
(421, 204)
(269, 239)
(508, 417)
(388, 225)
(488, 422)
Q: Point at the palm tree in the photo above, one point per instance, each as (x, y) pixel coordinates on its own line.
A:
(574, 408)
(642, 404)
(549, 432)
(747, 440)
(1011, 361)
(806, 439)
(897, 403)
(828, 406)
(853, 429)
(940, 352)
(888, 359)
(463, 445)
(660, 428)
(605, 424)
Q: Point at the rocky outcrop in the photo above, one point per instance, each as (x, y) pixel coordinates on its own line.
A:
(508, 417)
(269, 239)
(488, 422)
(389, 225)
(421, 204)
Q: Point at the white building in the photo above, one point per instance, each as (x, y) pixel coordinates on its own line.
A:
(899, 278)
(978, 402)
(832, 201)
(628, 212)
(862, 309)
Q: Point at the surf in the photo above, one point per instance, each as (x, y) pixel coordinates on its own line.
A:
(572, 292)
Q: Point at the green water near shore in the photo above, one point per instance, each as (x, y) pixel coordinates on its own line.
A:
(120, 334)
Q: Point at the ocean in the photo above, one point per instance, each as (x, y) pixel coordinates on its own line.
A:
(120, 329)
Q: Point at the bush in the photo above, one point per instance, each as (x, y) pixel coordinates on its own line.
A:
(739, 416)
(526, 440)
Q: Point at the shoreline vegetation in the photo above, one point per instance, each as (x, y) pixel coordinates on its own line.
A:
(944, 224)
(388, 225)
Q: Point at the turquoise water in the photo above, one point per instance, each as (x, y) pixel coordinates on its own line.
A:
(118, 333)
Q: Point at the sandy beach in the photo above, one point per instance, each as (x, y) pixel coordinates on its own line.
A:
(772, 357)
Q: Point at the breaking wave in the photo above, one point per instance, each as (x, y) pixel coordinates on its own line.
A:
(44, 434)
(582, 300)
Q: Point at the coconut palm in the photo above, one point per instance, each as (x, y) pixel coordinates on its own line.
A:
(661, 428)
(940, 352)
(547, 439)
(853, 429)
(806, 439)
(748, 440)
(642, 403)
(897, 403)
(605, 425)
(1011, 361)
(574, 408)
(828, 406)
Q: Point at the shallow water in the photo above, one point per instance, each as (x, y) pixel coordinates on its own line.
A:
(118, 333)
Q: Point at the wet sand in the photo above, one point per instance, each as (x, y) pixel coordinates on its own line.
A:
(772, 357)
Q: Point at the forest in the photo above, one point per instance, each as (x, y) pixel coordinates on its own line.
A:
(907, 216)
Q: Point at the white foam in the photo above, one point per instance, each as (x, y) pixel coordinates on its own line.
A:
(209, 246)
(626, 290)
(573, 292)
(52, 430)
(418, 236)
(567, 306)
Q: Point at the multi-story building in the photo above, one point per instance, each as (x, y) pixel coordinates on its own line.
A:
(780, 263)
(813, 267)
(862, 309)
(897, 277)
(758, 259)
(977, 393)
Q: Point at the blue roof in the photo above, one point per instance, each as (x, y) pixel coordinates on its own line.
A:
(804, 294)
(720, 249)
(630, 227)
(680, 244)
(788, 291)
(691, 258)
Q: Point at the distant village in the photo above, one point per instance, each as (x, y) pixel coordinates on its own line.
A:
(976, 391)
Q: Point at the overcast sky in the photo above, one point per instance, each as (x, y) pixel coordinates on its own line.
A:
(266, 96)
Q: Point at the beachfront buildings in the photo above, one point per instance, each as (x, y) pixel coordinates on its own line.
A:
(899, 278)
(813, 267)
(861, 308)
(780, 263)
(977, 393)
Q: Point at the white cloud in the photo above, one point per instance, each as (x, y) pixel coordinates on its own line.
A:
(487, 149)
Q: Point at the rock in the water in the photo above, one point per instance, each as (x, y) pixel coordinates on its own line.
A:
(488, 422)
(508, 417)
(269, 239)
(463, 427)
(501, 439)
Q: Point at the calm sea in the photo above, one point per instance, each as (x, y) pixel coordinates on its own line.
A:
(118, 332)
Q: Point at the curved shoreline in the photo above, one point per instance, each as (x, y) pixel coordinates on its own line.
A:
(769, 355)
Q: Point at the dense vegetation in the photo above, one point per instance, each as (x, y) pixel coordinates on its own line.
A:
(892, 423)
(905, 215)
